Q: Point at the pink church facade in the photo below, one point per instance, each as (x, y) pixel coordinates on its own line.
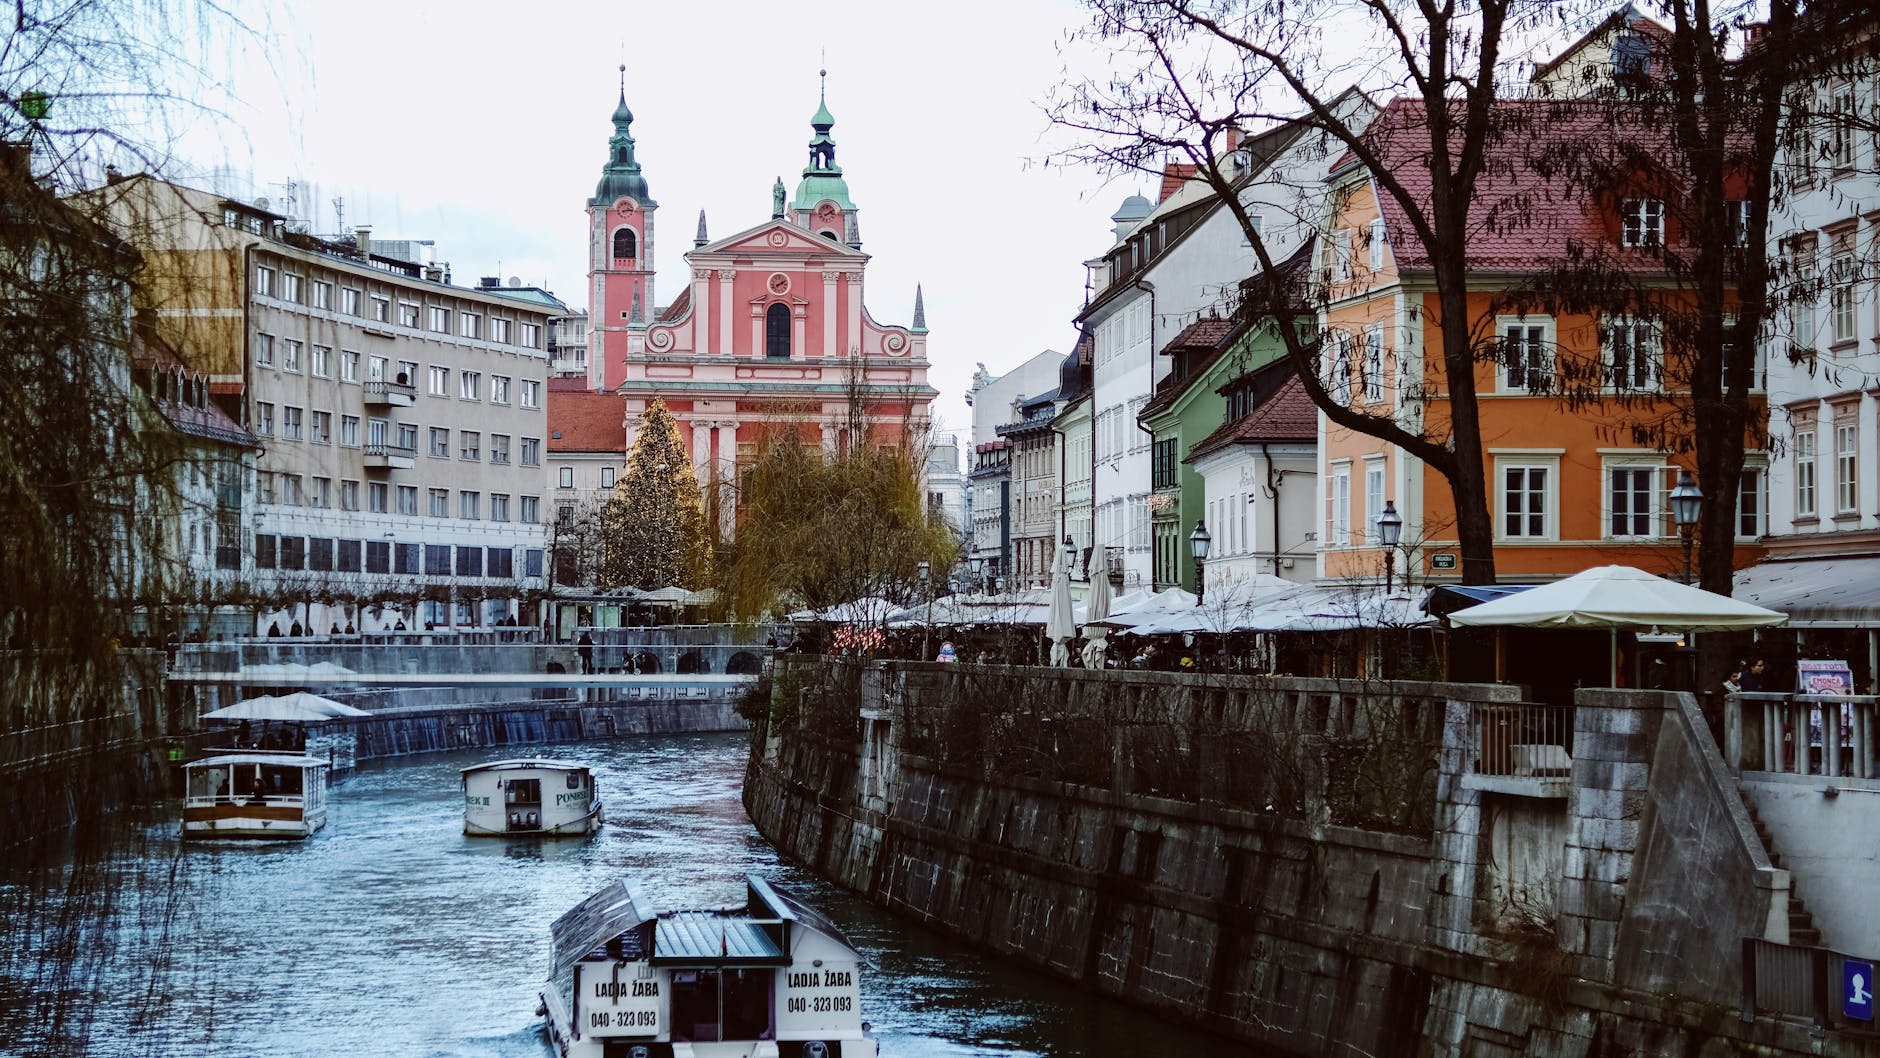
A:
(771, 337)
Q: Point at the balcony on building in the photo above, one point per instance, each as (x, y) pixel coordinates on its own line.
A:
(390, 456)
(383, 394)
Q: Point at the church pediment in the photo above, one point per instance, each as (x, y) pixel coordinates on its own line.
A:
(777, 238)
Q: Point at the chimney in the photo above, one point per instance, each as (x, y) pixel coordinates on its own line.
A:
(1233, 138)
(112, 176)
(434, 272)
(362, 239)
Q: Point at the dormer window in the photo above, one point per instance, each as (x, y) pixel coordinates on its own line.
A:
(1631, 59)
(1642, 222)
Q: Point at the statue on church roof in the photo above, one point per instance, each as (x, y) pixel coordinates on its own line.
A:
(776, 199)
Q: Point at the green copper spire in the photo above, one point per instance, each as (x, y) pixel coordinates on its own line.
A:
(822, 177)
(620, 177)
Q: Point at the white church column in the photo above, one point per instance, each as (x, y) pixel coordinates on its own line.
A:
(727, 342)
(728, 473)
(852, 341)
(829, 440)
(799, 316)
(702, 450)
(757, 330)
(701, 307)
(829, 313)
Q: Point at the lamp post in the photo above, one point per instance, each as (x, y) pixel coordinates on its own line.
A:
(1687, 503)
(1389, 531)
(1070, 554)
(1198, 543)
(926, 589)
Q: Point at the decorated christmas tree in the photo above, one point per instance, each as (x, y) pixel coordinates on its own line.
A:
(654, 532)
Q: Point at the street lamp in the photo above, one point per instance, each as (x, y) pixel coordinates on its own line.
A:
(1070, 554)
(926, 589)
(1687, 502)
(1198, 542)
(1389, 531)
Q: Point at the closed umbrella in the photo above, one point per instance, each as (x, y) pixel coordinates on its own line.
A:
(1060, 625)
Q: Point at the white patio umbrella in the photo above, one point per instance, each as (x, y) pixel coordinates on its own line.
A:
(298, 707)
(1060, 625)
(1617, 597)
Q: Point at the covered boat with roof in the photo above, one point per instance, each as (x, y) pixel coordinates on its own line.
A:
(530, 795)
(770, 979)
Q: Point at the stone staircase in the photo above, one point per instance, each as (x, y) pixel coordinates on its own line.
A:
(1802, 930)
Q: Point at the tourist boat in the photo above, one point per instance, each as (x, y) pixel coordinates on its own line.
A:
(771, 979)
(530, 796)
(254, 794)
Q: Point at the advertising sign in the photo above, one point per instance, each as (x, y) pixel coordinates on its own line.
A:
(618, 999)
(1823, 677)
(824, 996)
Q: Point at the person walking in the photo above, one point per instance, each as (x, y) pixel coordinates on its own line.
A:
(586, 650)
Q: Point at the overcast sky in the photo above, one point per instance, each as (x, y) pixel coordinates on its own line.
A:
(484, 127)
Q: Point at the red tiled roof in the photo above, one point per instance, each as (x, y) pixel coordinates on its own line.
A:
(1173, 177)
(580, 420)
(206, 420)
(1548, 189)
(677, 308)
(1286, 417)
(1210, 336)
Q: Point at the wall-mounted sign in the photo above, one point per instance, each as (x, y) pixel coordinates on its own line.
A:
(1823, 677)
(1443, 560)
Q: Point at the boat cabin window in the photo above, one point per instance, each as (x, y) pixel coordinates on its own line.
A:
(523, 791)
(574, 780)
(713, 1005)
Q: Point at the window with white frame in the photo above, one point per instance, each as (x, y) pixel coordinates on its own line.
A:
(1841, 130)
(1377, 243)
(499, 330)
(531, 509)
(499, 506)
(440, 319)
(1632, 506)
(1806, 464)
(349, 430)
(322, 361)
(1341, 255)
(1642, 222)
(1739, 221)
(1373, 498)
(1631, 354)
(323, 299)
(348, 366)
(378, 497)
(529, 454)
(264, 350)
(529, 393)
(264, 281)
(564, 477)
(1338, 529)
(1339, 384)
(440, 503)
(1526, 495)
(375, 368)
(440, 381)
(499, 389)
(469, 325)
(468, 504)
(349, 495)
(407, 499)
(607, 477)
(499, 448)
(440, 442)
(1752, 503)
(1527, 363)
(531, 336)
(408, 436)
(1802, 302)
(1841, 274)
(408, 313)
(290, 423)
(349, 301)
(1374, 363)
(470, 444)
(290, 354)
(1758, 359)
(290, 291)
(381, 309)
(1846, 467)
(264, 418)
(470, 385)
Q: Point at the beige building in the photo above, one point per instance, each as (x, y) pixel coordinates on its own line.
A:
(402, 419)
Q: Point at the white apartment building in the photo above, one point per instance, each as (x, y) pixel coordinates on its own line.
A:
(1822, 365)
(1172, 263)
(401, 419)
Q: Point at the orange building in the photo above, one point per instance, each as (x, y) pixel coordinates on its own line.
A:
(1573, 405)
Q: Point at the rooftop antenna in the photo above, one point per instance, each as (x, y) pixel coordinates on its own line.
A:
(339, 214)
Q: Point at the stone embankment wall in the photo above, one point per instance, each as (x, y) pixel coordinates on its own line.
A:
(429, 730)
(1311, 866)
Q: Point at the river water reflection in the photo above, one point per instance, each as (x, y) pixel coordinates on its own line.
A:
(391, 933)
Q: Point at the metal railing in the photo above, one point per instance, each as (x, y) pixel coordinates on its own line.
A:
(335, 661)
(1805, 734)
(1522, 739)
(1797, 981)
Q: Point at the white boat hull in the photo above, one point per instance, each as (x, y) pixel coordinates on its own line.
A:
(587, 823)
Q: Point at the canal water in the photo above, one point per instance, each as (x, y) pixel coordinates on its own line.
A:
(390, 933)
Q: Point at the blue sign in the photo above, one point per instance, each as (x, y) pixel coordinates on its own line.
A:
(1857, 990)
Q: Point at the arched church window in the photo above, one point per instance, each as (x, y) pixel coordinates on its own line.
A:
(830, 235)
(777, 331)
(625, 245)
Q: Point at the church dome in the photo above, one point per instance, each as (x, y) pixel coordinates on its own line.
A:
(1135, 207)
